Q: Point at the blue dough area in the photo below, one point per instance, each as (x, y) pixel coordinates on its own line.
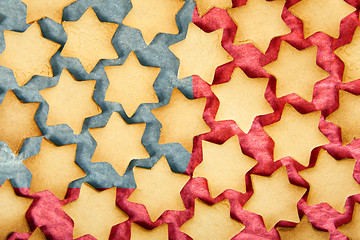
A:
(126, 39)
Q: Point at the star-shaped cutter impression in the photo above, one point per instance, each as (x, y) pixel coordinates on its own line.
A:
(224, 166)
(331, 181)
(70, 102)
(200, 53)
(131, 84)
(92, 43)
(17, 121)
(28, 53)
(275, 198)
(94, 212)
(154, 16)
(258, 22)
(158, 189)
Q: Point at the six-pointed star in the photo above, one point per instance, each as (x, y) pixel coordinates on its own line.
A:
(200, 53)
(94, 212)
(224, 166)
(158, 188)
(296, 135)
(331, 181)
(74, 105)
(17, 121)
(327, 20)
(258, 22)
(92, 43)
(296, 71)
(28, 54)
(274, 198)
(131, 84)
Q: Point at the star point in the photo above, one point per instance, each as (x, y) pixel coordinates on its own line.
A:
(13, 209)
(37, 235)
(70, 102)
(347, 116)
(53, 9)
(158, 233)
(296, 71)
(131, 84)
(209, 222)
(331, 181)
(28, 54)
(153, 16)
(92, 43)
(94, 212)
(224, 166)
(251, 101)
(302, 135)
(200, 53)
(118, 143)
(17, 121)
(327, 20)
(181, 120)
(275, 198)
(348, 54)
(158, 188)
(258, 22)
(203, 6)
(53, 168)
(351, 229)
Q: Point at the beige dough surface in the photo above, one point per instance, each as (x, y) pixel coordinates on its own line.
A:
(181, 120)
(296, 71)
(95, 212)
(210, 222)
(351, 229)
(200, 53)
(154, 16)
(302, 231)
(158, 189)
(349, 54)
(13, 209)
(258, 22)
(241, 95)
(140, 233)
(70, 101)
(28, 54)
(37, 9)
(347, 116)
(327, 20)
(53, 168)
(274, 198)
(17, 121)
(224, 166)
(92, 43)
(296, 135)
(331, 181)
(37, 235)
(131, 84)
(118, 143)
(203, 6)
